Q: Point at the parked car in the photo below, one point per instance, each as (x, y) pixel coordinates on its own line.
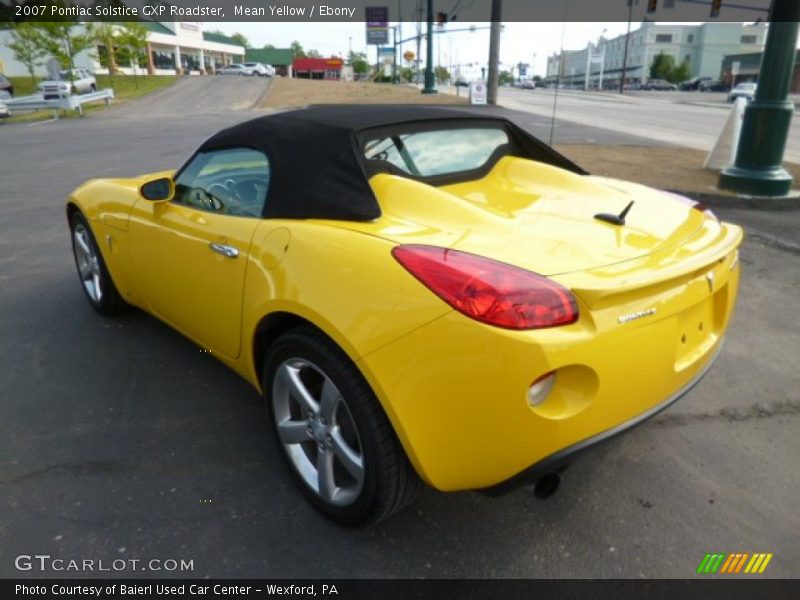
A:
(4, 112)
(461, 82)
(234, 69)
(527, 84)
(632, 86)
(692, 84)
(397, 329)
(81, 82)
(746, 90)
(255, 68)
(660, 85)
(6, 85)
(714, 85)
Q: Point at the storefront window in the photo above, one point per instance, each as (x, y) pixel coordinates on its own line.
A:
(190, 62)
(163, 60)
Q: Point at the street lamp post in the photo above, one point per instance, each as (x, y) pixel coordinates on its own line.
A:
(430, 81)
(625, 53)
(758, 170)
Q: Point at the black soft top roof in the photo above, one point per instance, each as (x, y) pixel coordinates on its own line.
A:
(317, 168)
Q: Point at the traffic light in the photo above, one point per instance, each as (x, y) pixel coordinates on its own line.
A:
(441, 19)
(652, 5)
(716, 5)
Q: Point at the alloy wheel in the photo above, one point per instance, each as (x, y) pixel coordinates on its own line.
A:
(88, 263)
(318, 432)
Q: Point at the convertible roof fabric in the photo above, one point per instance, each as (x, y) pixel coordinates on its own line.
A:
(317, 169)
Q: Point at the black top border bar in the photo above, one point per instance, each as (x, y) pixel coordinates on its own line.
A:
(385, 12)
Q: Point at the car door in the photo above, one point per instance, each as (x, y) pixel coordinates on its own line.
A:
(189, 255)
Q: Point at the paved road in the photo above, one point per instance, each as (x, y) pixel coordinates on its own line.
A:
(113, 431)
(659, 118)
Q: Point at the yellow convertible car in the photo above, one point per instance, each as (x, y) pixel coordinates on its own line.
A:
(420, 294)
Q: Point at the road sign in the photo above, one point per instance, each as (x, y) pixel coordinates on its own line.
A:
(477, 92)
(409, 55)
(735, 66)
(377, 20)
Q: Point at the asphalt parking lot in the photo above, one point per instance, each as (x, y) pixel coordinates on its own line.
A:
(121, 439)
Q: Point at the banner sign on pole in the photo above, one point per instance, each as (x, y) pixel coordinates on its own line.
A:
(377, 19)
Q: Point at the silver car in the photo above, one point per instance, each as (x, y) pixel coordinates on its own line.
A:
(235, 69)
(746, 90)
(80, 81)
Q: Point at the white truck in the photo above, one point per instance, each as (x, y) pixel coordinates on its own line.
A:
(81, 82)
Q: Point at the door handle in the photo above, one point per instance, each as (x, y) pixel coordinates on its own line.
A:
(224, 249)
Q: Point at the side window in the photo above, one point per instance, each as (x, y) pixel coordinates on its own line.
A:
(230, 182)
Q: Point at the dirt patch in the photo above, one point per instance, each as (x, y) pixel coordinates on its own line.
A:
(661, 167)
(285, 92)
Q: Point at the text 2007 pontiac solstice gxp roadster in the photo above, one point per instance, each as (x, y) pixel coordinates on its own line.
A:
(420, 294)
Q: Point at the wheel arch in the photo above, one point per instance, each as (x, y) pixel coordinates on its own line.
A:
(274, 324)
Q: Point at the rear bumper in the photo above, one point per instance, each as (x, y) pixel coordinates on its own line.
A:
(559, 460)
(456, 390)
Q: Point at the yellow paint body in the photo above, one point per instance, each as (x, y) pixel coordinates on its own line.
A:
(454, 389)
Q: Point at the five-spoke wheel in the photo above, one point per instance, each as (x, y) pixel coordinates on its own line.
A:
(330, 426)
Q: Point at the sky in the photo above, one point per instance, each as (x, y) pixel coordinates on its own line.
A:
(521, 42)
(528, 43)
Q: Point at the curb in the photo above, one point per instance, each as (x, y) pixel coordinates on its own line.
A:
(791, 203)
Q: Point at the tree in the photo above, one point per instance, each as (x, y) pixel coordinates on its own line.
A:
(442, 74)
(505, 77)
(269, 47)
(407, 74)
(662, 67)
(133, 37)
(27, 46)
(297, 50)
(358, 60)
(681, 73)
(240, 39)
(60, 40)
(313, 54)
(104, 34)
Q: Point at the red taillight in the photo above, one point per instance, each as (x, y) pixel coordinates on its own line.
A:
(489, 291)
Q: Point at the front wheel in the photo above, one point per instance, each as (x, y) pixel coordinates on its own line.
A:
(340, 446)
(92, 271)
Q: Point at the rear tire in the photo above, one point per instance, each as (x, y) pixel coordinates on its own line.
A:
(95, 279)
(341, 449)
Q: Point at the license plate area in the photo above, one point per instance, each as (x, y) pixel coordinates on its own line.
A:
(696, 333)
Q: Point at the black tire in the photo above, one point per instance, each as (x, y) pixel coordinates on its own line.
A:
(93, 88)
(389, 480)
(110, 301)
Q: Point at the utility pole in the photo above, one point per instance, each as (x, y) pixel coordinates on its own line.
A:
(419, 41)
(625, 54)
(758, 170)
(430, 81)
(494, 51)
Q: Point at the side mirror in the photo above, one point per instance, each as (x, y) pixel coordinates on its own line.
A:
(158, 190)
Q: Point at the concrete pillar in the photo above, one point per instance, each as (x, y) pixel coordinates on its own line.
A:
(178, 66)
(202, 62)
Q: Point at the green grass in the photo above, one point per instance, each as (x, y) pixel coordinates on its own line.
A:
(125, 88)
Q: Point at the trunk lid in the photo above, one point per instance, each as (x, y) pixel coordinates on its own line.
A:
(534, 216)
